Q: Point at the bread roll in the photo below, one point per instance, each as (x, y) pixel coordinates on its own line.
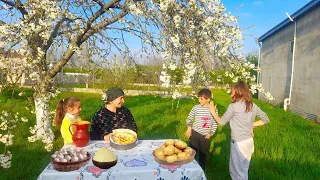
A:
(183, 156)
(188, 150)
(169, 142)
(180, 144)
(177, 150)
(163, 146)
(169, 150)
(159, 153)
(171, 158)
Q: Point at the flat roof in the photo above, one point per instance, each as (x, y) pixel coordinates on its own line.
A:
(301, 12)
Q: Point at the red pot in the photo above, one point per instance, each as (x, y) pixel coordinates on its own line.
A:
(81, 136)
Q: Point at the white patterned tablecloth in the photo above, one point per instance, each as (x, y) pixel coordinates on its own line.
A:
(134, 164)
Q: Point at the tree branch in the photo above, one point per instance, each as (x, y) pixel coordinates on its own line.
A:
(87, 33)
(18, 5)
(101, 11)
(54, 33)
(98, 2)
(133, 30)
(111, 41)
(64, 60)
(2, 23)
(103, 24)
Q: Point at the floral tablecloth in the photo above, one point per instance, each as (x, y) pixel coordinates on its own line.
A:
(134, 164)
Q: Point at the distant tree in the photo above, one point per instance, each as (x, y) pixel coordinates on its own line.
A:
(253, 57)
(148, 74)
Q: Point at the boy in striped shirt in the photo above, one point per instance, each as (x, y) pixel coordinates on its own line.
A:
(201, 126)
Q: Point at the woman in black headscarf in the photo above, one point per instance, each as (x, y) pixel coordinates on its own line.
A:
(111, 116)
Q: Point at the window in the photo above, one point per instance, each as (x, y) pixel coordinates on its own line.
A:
(291, 46)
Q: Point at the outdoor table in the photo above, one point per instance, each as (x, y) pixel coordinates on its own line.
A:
(134, 164)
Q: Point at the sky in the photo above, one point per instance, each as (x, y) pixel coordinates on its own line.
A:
(255, 18)
(263, 15)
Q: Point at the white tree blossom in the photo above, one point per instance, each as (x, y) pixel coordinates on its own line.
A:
(8, 122)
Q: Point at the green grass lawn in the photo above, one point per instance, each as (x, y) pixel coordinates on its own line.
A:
(286, 148)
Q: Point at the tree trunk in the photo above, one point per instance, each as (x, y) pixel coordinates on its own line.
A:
(42, 130)
(42, 108)
(42, 97)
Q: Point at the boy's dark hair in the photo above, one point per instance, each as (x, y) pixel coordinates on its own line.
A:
(206, 93)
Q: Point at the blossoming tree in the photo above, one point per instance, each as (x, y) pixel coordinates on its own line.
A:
(199, 35)
(191, 32)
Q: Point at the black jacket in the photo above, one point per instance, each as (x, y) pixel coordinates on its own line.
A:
(104, 121)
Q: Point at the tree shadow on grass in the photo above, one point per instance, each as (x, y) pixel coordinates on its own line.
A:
(218, 156)
(219, 151)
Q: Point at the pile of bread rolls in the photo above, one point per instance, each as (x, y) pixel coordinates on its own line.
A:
(173, 150)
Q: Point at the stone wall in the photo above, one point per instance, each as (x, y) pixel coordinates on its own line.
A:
(276, 63)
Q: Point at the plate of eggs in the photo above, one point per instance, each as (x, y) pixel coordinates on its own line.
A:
(70, 159)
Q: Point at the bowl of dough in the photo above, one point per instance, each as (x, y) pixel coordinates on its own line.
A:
(174, 152)
(123, 139)
(104, 158)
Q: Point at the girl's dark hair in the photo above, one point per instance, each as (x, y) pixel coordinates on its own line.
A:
(62, 107)
(206, 93)
(242, 93)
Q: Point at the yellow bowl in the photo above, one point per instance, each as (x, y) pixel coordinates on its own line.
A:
(123, 145)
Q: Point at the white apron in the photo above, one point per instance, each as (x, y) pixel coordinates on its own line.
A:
(240, 156)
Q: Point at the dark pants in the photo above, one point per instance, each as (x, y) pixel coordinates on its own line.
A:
(200, 144)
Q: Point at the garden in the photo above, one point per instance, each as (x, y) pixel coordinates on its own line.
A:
(175, 47)
(285, 148)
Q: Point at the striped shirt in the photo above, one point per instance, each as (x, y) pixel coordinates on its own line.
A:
(201, 120)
